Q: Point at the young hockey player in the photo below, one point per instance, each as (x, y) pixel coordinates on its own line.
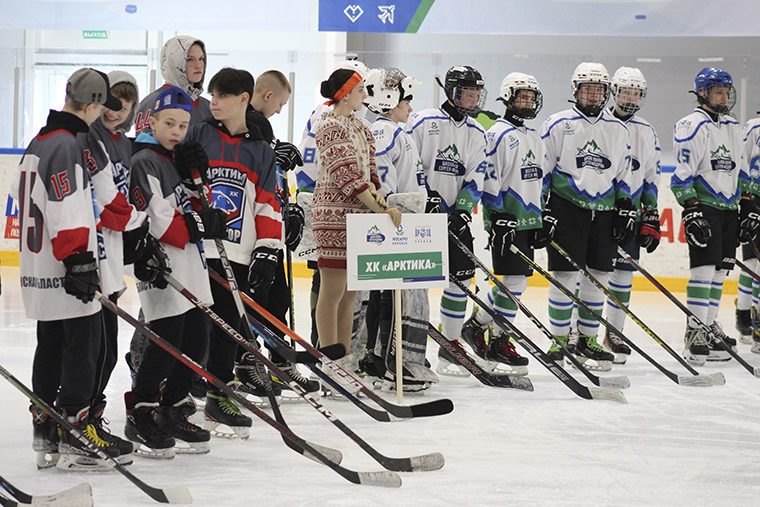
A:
(511, 212)
(452, 148)
(160, 186)
(629, 89)
(587, 176)
(59, 272)
(711, 182)
(241, 173)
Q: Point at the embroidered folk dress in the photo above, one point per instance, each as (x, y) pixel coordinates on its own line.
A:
(346, 151)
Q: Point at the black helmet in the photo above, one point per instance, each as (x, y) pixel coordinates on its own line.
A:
(460, 78)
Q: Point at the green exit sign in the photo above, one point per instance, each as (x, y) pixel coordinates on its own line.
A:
(95, 34)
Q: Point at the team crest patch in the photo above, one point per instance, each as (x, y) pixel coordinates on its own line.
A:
(720, 160)
(529, 169)
(592, 157)
(448, 161)
(228, 194)
(635, 164)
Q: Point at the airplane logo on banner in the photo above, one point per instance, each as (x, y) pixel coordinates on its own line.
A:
(386, 13)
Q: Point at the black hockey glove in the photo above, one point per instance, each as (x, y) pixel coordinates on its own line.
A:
(153, 263)
(210, 223)
(749, 219)
(624, 225)
(433, 204)
(288, 156)
(188, 156)
(459, 223)
(544, 235)
(649, 235)
(81, 280)
(262, 270)
(502, 232)
(294, 221)
(696, 228)
(134, 243)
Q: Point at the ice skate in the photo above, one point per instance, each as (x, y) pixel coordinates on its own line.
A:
(417, 377)
(287, 393)
(252, 383)
(190, 439)
(717, 348)
(222, 412)
(142, 429)
(617, 346)
(695, 346)
(502, 351)
(45, 438)
(587, 349)
(744, 324)
(327, 390)
(125, 447)
(75, 456)
(755, 338)
(370, 365)
(409, 386)
(474, 335)
(555, 353)
(447, 365)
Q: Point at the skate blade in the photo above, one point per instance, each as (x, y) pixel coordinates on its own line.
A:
(144, 451)
(755, 349)
(718, 356)
(389, 386)
(47, 459)
(221, 430)
(183, 447)
(81, 463)
(449, 369)
(747, 339)
(693, 359)
(513, 371)
(620, 358)
(592, 365)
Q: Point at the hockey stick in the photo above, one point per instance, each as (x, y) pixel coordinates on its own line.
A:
(693, 320)
(715, 378)
(289, 260)
(456, 351)
(77, 496)
(589, 393)
(620, 382)
(427, 462)
(309, 450)
(177, 495)
(678, 379)
(431, 408)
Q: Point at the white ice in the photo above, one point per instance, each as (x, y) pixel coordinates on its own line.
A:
(670, 445)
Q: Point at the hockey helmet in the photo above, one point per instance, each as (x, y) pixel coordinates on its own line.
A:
(514, 82)
(460, 79)
(629, 89)
(590, 73)
(354, 65)
(386, 87)
(710, 77)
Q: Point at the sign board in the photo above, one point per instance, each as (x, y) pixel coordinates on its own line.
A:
(412, 256)
(95, 34)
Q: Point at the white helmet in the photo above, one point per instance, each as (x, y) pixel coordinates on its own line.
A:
(591, 72)
(631, 79)
(386, 87)
(354, 65)
(514, 82)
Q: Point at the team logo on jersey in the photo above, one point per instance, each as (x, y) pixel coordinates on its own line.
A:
(529, 170)
(635, 164)
(513, 141)
(228, 194)
(378, 133)
(720, 160)
(433, 130)
(448, 161)
(120, 177)
(375, 236)
(569, 130)
(592, 157)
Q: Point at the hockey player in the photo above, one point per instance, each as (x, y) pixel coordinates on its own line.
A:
(629, 89)
(452, 149)
(59, 272)
(158, 175)
(711, 182)
(512, 204)
(587, 179)
(241, 173)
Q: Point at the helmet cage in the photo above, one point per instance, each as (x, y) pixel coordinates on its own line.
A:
(460, 79)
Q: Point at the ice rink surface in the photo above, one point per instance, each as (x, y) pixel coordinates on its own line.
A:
(670, 445)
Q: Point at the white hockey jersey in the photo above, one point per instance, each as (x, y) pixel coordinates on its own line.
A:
(453, 156)
(398, 161)
(587, 159)
(645, 163)
(752, 153)
(514, 178)
(710, 161)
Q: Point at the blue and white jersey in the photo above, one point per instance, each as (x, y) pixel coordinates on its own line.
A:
(710, 163)
(397, 159)
(645, 163)
(752, 152)
(587, 159)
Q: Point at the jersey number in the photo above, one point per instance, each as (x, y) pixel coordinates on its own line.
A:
(382, 171)
(684, 155)
(61, 184)
(34, 231)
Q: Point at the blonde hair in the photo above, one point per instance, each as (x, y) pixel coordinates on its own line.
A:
(273, 80)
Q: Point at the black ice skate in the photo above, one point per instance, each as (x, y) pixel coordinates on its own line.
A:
(45, 438)
(150, 440)
(502, 350)
(555, 353)
(221, 410)
(744, 325)
(246, 372)
(617, 346)
(309, 385)
(717, 348)
(125, 447)
(191, 439)
(474, 335)
(447, 365)
(587, 349)
(695, 346)
(371, 365)
(75, 456)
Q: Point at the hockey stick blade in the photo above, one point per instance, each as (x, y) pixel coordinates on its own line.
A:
(333, 455)
(383, 479)
(77, 496)
(697, 381)
(620, 382)
(603, 393)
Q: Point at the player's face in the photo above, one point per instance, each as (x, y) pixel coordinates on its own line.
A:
(718, 96)
(401, 112)
(170, 128)
(195, 65)
(468, 99)
(226, 106)
(628, 97)
(112, 119)
(591, 94)
(356, 97)
(274, 103)
(91, 113)
(525, 99)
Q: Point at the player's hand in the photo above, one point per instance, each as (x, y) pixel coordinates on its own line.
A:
(624, 224)
(81, 279)
(696, 228)
(502, 232)
(189, 156)
(649, 235)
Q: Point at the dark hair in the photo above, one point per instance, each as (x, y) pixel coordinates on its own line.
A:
(125, 91)
(336, 80)
(232, 81)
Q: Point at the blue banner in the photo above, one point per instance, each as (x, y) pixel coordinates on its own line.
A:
(370, 16)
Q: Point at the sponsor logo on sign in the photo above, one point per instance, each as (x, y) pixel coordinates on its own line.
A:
(375, 236)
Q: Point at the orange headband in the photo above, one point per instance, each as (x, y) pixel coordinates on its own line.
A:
(344, 90)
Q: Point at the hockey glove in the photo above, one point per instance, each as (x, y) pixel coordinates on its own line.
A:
(624, 225)
(502, 232)
(544, 235)
(696, 228)
(749, 219)
(154, 262)
(433, 204)
(134, 243)
(209, 223)
(649, 235)
(459, 223)
(81, 280)
(262, 270)
(294, 221)
(288, 156)
(188, 156)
